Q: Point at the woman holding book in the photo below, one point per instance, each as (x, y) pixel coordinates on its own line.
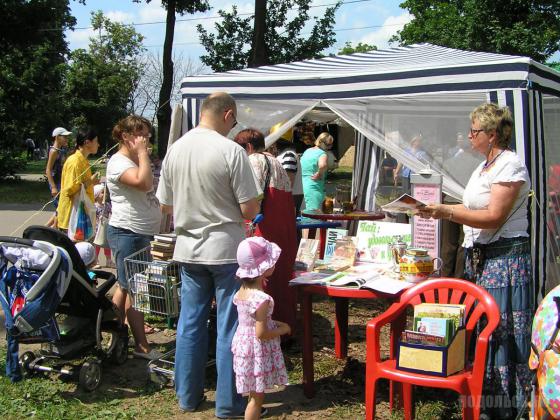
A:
(135, 216)
(279, 223)
(498, 253)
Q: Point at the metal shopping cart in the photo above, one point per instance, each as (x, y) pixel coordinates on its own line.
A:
(155, 288)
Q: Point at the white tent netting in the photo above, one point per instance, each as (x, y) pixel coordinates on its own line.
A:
(391, 96)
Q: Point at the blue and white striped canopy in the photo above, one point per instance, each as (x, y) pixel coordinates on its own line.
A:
(419, 68)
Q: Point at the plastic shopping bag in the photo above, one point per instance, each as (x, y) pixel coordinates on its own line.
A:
(82, 219)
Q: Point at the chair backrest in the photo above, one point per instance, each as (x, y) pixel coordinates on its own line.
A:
(478, 302)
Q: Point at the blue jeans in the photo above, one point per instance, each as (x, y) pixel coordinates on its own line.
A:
(200, 283)
(124, 242)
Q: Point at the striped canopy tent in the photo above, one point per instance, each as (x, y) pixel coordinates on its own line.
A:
(390, 96)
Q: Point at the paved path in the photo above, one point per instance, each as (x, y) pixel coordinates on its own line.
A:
(14, 218)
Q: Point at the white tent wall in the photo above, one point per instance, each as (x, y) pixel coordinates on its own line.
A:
(390, 96)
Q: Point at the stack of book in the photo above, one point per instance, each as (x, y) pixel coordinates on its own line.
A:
(435, 324)
(163, 245)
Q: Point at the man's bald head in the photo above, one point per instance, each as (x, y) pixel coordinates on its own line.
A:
(217, 103)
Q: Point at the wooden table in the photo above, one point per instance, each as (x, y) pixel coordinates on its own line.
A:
(340, 296)
(355, 215)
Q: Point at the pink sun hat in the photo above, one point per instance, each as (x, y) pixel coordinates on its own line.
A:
(255, 256)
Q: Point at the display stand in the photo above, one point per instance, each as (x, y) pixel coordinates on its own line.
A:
(426, 187)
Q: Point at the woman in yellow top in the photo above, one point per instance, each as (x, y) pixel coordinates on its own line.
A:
(77, 171)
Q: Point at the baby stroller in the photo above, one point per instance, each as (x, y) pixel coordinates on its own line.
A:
(48, 298)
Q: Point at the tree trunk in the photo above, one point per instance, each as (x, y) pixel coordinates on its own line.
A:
(164, 109)
(259, 51)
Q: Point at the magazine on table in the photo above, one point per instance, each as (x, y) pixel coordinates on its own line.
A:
(373, 281)
(404, 204)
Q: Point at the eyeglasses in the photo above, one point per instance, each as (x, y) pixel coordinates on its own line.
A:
(234, 121)
(474, 132)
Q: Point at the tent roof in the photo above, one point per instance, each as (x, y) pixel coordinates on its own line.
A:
(419, 68)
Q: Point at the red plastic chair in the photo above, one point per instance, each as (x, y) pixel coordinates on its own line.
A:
(467, 383)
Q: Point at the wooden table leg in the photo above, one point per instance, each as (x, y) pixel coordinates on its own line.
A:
(395, 388)
(341, 328)
(322, 242)
(308, 374)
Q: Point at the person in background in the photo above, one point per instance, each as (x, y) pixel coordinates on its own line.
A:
(102, 209)
(498, 252)
(208, 184)
(402, 172)
(257, 357)
(75, 173)
(314, 165)
(55, 163)
(459, 147)
(289, 159)
(30, 147)
(279, 223)
(135, 215)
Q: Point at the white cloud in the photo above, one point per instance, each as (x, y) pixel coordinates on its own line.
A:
(79, 38)
(119, 16)
(151, 12)
(380, 37)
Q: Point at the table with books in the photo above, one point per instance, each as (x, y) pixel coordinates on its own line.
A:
(363, 281)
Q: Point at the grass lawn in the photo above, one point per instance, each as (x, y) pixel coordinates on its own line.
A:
(38, 166)
(25, 192)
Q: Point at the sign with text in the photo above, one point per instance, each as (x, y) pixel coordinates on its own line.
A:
(425, 232)
(373, 238)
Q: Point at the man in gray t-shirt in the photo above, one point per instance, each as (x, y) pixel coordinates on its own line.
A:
(207, 183)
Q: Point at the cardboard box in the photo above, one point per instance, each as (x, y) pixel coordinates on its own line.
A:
(433, 360)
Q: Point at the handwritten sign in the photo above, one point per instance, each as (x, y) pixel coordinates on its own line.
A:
(373, 238)
(425, 232)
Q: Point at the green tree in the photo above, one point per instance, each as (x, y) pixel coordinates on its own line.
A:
(164, 109)
(102, 79)
(230, 47)
(521, 27)
(32, 71)
(359, 48)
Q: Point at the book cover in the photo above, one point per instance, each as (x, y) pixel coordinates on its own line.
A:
(165, 237)
(455, 312)
(443, 327)
(162, 245)
(307, 254)
(344, 252)
(332, 236)
(404, 204)
(416, 337)
(161, 254)
(373, 239)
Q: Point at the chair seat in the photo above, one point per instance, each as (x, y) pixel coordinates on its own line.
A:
(458, 382)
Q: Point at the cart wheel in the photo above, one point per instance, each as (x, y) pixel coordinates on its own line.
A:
(90, 375)
(159, 379)
(119, 355)
(25, 361)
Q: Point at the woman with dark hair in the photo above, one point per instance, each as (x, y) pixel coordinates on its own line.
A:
(135, 216)
(279, 224)
(75, 173)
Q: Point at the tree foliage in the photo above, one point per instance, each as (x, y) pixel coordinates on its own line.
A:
(521, 27)
(230, 47)
(102, 79)
(359, 48)
(32, 71)
(164, 109)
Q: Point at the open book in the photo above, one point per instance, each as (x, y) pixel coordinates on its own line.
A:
(372, 281)
(404, 204)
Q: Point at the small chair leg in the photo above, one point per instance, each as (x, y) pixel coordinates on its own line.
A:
(371, 383)
(408, 401)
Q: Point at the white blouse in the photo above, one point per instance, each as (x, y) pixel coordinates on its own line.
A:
(507, 168)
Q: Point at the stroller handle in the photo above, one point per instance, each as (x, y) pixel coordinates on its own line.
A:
(16, 240)
(42, 245)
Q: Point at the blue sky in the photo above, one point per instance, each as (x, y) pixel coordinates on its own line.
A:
(370, 21)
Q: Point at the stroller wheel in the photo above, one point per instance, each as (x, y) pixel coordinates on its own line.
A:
(119, 355)
(25, 361)
(90, 375)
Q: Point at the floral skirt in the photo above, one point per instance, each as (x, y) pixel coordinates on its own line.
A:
(505, 272)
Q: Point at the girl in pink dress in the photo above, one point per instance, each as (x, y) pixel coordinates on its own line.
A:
(258, 362)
